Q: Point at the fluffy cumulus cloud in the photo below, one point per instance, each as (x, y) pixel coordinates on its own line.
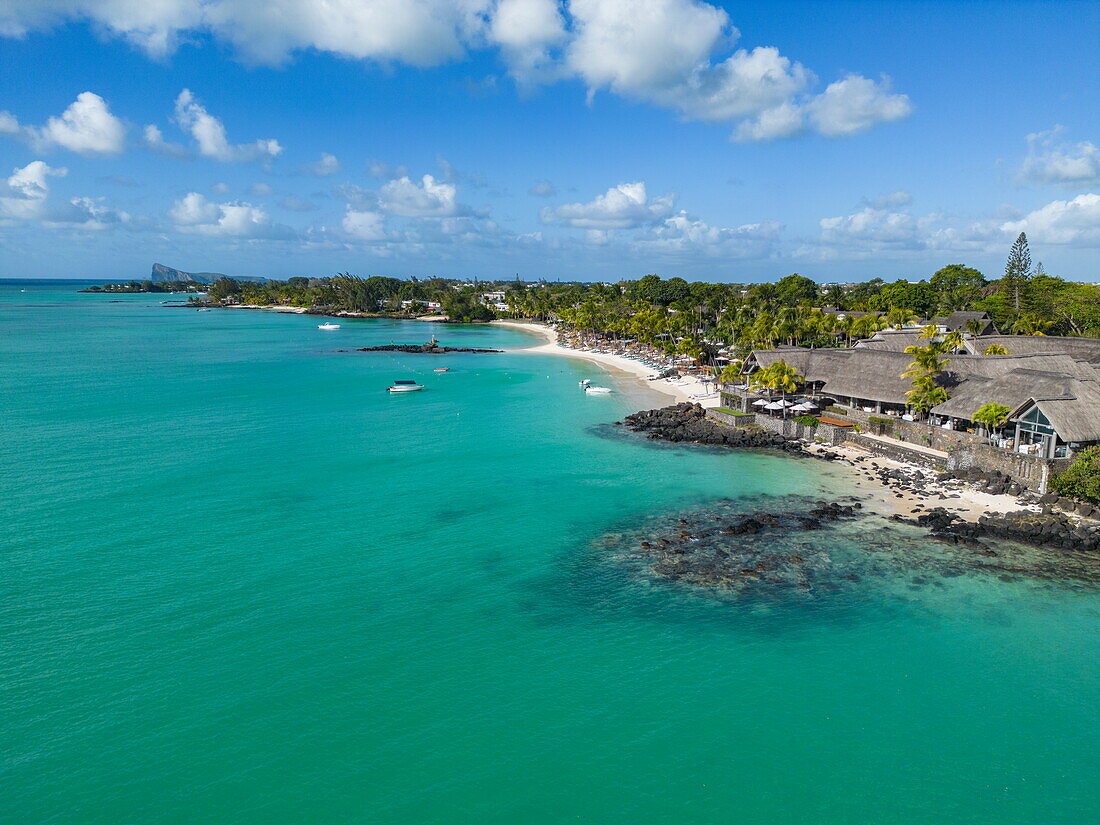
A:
(528, 32)
(854, 105)
(327, 165)
(886, 228)
(1075, 222)
(427, 198)
(194, 214)
(676, 54)
(86, 127)
(364, 225)
(688, 235)
(1051, 161)
(626, 206)
(154, 139)
(210, 135)
(24, 197)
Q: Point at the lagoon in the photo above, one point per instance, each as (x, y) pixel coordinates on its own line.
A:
(244, 584)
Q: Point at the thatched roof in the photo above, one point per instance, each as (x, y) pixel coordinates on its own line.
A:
(1075, 417)
(957, 321)
(895, 340)
(876, 375)
(1083, 349)
(1012, 388)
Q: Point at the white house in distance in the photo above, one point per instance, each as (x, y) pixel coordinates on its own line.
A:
(495, 300)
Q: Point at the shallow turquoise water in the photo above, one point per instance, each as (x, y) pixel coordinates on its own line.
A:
(240, 583)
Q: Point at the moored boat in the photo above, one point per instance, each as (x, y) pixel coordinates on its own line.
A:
(590, 390)
(404, 386)
(329, 325)
(442, 369)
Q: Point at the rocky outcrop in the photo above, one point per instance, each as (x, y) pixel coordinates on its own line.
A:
(988, 481)
(421, 348)
(687, 422)
(1024, 526)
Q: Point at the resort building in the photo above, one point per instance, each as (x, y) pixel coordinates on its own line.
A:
(1053, 398)
(978, 323)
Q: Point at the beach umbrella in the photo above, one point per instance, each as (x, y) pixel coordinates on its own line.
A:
(784, 403)
(775, 405)
(759, 402)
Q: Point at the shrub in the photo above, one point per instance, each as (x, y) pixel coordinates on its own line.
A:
(1082, 479)
(808, 420)
(728, 411)
(877, 420)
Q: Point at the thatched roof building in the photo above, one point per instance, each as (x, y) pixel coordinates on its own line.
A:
(1083, 349)
(962, 322)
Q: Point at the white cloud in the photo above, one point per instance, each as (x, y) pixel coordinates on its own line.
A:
(1074, 222)
(855, 104)
(219, 188)
(327, 165)
(873, 227)
(209, 133)
(543, 189)
(86, 127)
(364, 225)
(1050, 162)
(152, 25)
(625, 206)
(24, 194)
(24, 197)
(154, 140)
(195, 215)
(780, 121)
(260, 190)
(682, 233)
(528, 31)
(429, 198)
(676, 54)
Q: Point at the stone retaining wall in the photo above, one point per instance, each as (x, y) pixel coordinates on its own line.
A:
(1031, 471)
(721, 417)
(896, 452)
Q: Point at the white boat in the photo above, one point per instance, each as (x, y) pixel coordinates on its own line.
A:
(585, 382)
(204, 309)
(328, 326)
(597, 390)
(405, 386)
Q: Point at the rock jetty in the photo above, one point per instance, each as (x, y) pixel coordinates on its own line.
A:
(687, 422)
(432, 346)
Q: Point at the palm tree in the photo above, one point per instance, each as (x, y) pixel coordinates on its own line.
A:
(778, 377)
(953, 341)
(991, 416)
(925, 369)
(996, 349)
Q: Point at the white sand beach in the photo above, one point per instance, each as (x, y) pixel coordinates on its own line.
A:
(684, 389)
(888, 499)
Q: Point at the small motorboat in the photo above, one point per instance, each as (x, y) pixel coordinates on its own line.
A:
(585, 382)
(404, 386)
(442, 369)
(590, 390)
(204, 309)
(328, 326)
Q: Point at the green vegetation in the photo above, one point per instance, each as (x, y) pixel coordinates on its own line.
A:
(925, 372)
(778, 377)
(807, 420)
(991, 416)
(1082, 479)
(874, 419)
(728, 411)
(148, 286)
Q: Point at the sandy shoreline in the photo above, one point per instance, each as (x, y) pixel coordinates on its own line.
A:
(886, 498)
(616, 365)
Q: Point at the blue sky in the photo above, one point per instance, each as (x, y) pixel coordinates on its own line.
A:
(588, 139)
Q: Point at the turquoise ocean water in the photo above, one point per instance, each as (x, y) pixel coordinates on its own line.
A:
(239, 583)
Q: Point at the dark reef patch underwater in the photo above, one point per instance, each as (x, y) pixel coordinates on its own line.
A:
(795, 548)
